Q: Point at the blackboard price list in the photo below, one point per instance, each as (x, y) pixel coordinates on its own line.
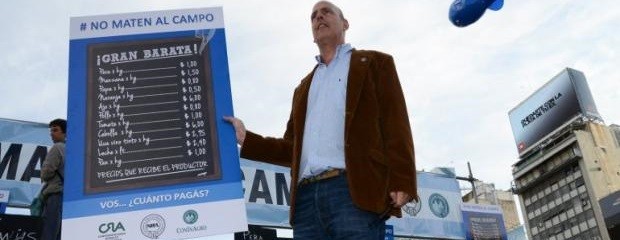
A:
(485, 227)
(150, 115)
(192, 110)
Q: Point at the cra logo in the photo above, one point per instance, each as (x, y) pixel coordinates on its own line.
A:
(111, 227)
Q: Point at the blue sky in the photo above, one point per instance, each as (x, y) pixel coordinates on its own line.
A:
(459, 83)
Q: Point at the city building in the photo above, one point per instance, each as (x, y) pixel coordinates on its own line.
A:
(568, 161)
(559, 185)
(487, 194)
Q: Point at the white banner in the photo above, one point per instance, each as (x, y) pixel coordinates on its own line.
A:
(267, 193)
(438, 215)
(187, 221)
(21, 161)
(149, 22)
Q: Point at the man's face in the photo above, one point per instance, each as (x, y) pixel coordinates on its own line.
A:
(327, 24)
(57, 134)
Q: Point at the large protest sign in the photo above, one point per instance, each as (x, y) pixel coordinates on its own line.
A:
(148, 154)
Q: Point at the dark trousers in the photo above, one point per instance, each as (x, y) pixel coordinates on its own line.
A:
(52, 217)
(324, 210)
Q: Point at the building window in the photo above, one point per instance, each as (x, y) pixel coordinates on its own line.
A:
(583, 226)
(567, 234)
(616, 131)
(592, 223)
(575, 230)
(576, 150)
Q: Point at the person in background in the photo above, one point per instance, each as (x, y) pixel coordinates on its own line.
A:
(52, 173)
(348, 139)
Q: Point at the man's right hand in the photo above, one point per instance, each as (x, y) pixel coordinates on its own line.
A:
(239, 128)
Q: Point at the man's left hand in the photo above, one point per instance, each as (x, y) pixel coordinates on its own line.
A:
(399, 198)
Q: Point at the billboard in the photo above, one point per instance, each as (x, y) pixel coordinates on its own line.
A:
(483, 222)
(565, 97)
(610, 206)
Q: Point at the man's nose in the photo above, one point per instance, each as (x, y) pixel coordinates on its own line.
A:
(319, 16)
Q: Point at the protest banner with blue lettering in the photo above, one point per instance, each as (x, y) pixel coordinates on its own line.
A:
(23, 147)
(267, 193)
(148, 154)
(21, 161)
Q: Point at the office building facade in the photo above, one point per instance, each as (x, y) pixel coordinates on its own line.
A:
(559, 185)
(568, 160)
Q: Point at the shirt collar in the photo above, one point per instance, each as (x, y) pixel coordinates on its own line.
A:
(341, 49)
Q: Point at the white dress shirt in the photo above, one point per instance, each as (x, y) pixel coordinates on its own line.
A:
(323, 142)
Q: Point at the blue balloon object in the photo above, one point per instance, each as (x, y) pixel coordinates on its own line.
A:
(465, 12)
(496, 5)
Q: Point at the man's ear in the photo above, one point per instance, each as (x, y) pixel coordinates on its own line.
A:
(346, 25)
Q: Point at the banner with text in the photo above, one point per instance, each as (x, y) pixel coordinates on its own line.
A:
(23, 147)
(560, 100)
(437, 215)
(148, 154)
(266, 190)
(483, 222)
(267, 193)
(21, 161)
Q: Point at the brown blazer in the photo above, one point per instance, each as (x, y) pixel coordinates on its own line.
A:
(379, 154)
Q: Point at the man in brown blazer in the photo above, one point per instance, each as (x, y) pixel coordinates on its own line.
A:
(348, 140)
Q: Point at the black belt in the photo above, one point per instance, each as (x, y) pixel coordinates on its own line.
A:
(332, 173)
